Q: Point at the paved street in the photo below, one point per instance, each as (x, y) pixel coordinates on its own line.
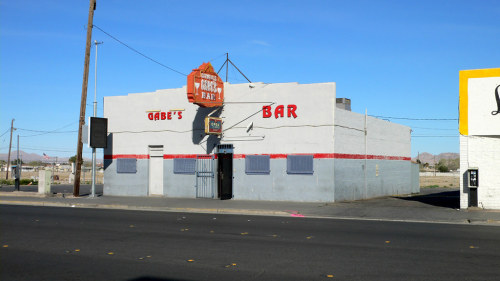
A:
(43, 243)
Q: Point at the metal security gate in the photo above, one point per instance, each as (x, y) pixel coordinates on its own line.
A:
(205, 176)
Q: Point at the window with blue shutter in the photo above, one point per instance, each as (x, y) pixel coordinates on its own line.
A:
(299, 164)
(184, 166)
(126, 165)
(257, 165)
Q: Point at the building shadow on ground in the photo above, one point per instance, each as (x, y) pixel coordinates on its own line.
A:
(445, 199)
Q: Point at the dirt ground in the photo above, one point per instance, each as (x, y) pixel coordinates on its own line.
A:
(440, 181)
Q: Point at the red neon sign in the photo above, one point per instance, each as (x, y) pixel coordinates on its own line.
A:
(204, 87)
(279, 111)
(162, 115)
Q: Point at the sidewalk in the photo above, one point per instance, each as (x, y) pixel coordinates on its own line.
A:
(431, 206)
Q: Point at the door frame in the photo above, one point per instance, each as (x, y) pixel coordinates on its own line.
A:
(223, 151)
(155, 151)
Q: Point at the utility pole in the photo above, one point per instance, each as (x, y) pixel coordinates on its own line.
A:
(83, 103)
(18, 167)
(95, 115)
(10, 146)
(227, 66)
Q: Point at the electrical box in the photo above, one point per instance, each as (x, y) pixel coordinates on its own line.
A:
(98, 132)
(473, 176)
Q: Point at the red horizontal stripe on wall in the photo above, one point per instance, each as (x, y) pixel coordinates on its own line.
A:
(172, 156)
(136, 156)
(272, 156)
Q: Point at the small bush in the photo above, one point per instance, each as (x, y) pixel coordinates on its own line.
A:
(7, 182)
(21, 182)
(28, 181)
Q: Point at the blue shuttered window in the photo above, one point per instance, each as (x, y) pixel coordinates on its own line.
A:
(299, 164)
(184, 166)
(126, 165)
(257, 165)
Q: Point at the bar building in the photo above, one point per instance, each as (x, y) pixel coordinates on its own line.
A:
(280, 142)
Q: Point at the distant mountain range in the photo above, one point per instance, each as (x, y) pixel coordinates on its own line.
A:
(426, 157)
(30, 157)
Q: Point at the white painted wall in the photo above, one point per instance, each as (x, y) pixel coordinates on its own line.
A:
(383, 138)
(482, 153)
(132, 131)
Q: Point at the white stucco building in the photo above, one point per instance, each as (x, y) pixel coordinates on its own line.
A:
(480, 138)
(284, 141)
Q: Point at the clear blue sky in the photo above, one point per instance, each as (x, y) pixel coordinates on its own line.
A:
(395, 58)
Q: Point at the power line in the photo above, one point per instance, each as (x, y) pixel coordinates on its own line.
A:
(438, 129)
(44, 149)
(217, 57)
(36, 131)
(149, 58)
(434, 136)
(5, 132)
(416, 119)
(47, 132)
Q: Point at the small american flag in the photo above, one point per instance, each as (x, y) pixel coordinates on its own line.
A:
(46, 157)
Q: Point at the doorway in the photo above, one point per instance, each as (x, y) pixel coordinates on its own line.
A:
(156, 170)
(225, 171)
(204, 170)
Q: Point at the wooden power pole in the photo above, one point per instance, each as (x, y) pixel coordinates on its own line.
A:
(83, 104)
(10, 146)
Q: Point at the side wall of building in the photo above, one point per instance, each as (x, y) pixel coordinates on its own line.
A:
(482, 153)
(371, 165)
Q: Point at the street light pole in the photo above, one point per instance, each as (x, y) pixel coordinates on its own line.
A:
(95, 115)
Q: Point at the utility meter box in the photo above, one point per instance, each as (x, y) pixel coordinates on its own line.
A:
(44, 177)
(473, 177)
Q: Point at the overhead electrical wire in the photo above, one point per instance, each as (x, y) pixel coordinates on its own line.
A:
(36, 131)
(45, 149)
(438, 129)
(149, 58)
(434, 136)
(415, 119)
(56, 131)
(217, 57)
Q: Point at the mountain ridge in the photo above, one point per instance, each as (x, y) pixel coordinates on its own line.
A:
(426, 157)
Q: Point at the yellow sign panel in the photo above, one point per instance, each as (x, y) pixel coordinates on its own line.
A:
(213, 126)
(475, 108)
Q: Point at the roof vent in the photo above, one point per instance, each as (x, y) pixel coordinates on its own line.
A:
(344, 103)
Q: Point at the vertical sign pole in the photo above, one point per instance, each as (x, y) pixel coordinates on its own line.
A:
(95, 115)
(83, 103)
(366, 152)
(227, 64)
(18, 167)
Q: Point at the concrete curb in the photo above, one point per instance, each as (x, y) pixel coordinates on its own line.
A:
(148, 208)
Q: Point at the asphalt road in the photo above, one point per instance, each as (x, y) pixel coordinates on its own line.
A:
(42, 243)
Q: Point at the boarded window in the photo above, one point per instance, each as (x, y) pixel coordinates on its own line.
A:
(184, 166)
(257, 165)
(126, 165)
(299, 164)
